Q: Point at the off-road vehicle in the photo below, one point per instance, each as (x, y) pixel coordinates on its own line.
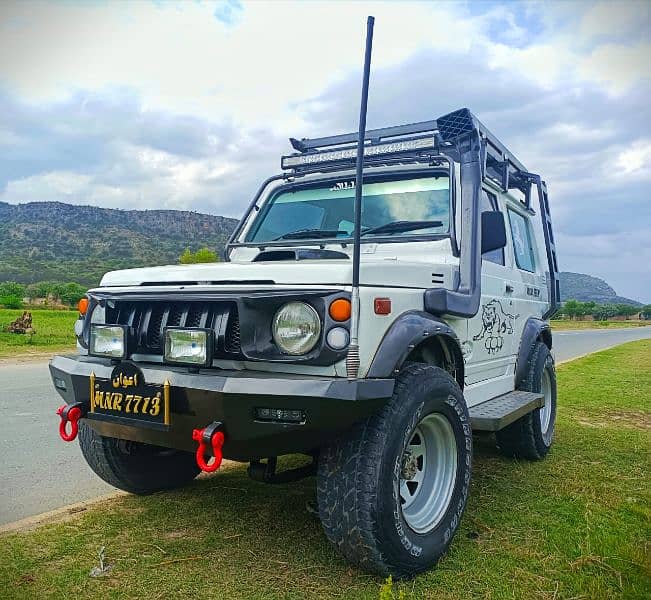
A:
(377, 358)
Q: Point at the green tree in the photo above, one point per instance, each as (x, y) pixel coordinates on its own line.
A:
(69, 293)
(11, 288)
(202, 255)
(604, 312)
(187, 257)
(572, 308)
(646, 311)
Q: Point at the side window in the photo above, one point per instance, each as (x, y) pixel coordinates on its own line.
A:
(489, 202)
(522, 243)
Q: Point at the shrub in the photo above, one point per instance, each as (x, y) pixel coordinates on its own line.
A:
(11, 301)
(203, 255)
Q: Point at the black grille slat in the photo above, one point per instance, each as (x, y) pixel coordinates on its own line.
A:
(149, 320)
(154, 331)
(232, 338)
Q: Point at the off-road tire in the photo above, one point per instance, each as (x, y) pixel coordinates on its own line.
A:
(525, 438)
(359, 473)
(133, 466)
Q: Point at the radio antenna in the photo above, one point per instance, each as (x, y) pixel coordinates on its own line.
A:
(352, 359)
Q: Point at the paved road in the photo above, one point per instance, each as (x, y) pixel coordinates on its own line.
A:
(39, 472)
(570, 344)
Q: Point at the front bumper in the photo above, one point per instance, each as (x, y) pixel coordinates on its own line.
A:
(331, 405)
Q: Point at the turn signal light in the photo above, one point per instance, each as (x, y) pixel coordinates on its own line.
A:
(83, 306)
(340, 309)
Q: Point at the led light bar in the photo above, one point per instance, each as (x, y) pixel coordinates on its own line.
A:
(298, 160)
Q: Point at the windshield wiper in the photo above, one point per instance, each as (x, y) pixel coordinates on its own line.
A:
(310, 233)
(402, 226)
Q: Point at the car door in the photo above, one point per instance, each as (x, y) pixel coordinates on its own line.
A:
(490, 345)
(529, 288)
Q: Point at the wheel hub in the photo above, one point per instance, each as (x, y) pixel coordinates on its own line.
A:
(428, 473)
(409, 466)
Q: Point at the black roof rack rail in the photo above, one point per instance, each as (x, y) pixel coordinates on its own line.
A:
(373, 135)
(499, 163)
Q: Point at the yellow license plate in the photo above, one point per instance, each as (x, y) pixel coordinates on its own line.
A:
(126, 398)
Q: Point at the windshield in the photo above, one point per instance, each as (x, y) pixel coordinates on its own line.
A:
(420, 206)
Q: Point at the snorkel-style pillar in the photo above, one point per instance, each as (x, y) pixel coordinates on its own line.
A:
(352, 360)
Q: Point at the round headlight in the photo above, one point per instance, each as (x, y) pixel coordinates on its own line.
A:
(296, 328)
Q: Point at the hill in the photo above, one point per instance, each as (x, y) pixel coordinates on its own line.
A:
(53, 241)
(586, 288)
(61, 242)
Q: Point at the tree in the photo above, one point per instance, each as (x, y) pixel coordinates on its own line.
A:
(11, 288)
(203, 255)
(69, 293)
(572, 308)
(604, 312)
(187, 257)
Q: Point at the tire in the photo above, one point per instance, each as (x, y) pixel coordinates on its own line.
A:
(531, 436)
(363, 491)
(133, 466)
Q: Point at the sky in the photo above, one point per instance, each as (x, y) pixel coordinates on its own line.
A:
(189, 105)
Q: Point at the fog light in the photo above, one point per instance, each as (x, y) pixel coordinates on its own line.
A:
(338, 338)
(108, 341)
(280, 415)
(188, 346)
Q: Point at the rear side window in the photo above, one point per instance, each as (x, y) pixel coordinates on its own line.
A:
(522, 242)
(489, 203)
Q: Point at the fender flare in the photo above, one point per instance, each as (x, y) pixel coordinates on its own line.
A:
(408, 331)
(534, 329)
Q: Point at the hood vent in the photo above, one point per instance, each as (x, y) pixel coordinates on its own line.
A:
(299, 254)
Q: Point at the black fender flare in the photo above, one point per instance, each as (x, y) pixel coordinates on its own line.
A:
(534, 329)
(408, 331)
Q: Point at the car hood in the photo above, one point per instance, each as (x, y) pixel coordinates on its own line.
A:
(379, 272)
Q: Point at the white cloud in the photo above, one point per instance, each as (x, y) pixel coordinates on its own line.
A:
(636, 159)
(135, 104)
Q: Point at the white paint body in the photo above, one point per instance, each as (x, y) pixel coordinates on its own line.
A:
(399, 271)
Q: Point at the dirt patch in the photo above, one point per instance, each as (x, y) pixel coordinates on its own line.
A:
(631, 418)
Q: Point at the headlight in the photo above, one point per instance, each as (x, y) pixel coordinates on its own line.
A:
(107, 340)
(188, 346)
(296, 328)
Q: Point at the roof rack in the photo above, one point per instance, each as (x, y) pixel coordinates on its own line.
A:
(414, 141)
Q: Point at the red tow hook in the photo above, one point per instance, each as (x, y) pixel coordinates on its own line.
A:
(70, 413)
(210, 437)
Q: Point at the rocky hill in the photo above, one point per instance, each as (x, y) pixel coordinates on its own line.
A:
(586, 288)
(52, 241)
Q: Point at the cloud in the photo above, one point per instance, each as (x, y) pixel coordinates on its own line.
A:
(189, 105)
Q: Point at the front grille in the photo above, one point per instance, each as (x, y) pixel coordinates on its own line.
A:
(147, 322)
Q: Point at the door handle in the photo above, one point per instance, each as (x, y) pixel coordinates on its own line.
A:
(508, 289)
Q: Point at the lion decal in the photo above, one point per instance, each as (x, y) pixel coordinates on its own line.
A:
(495, 325)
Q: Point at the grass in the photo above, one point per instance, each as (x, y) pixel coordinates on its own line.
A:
(561, 324)
(54, 332)
(573, 526)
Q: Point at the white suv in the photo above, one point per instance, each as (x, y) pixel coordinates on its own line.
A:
(252, 358)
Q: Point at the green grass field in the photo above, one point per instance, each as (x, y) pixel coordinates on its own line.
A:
(567, 324)
(54, 332)
(573, 526)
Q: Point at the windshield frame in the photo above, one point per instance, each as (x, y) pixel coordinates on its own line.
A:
(369, 177)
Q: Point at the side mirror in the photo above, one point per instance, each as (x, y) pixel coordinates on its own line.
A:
(493, 231)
